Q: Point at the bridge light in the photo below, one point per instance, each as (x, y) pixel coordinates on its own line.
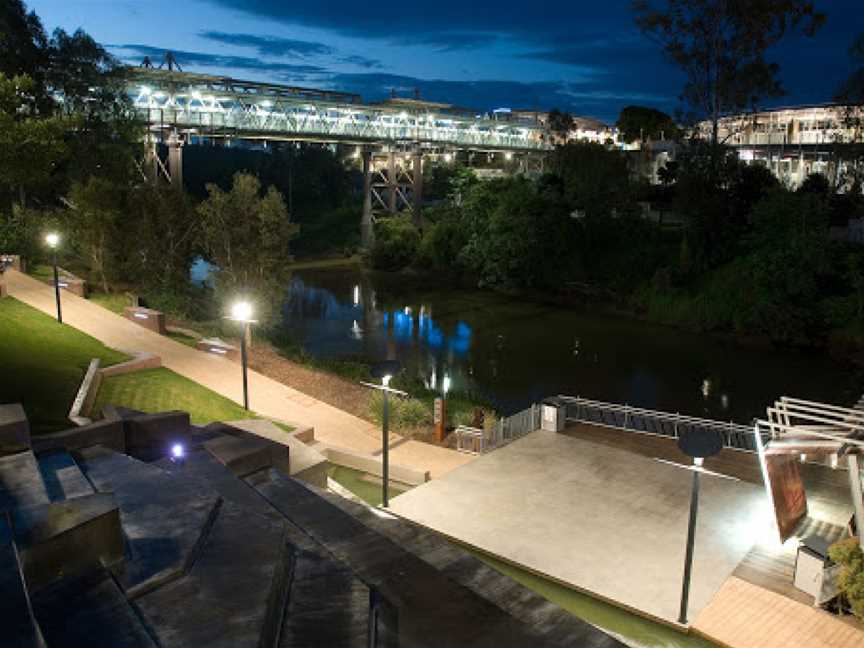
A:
(266, 104)
(448, 157)
(508, 156)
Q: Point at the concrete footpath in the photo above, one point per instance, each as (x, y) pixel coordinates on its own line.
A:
(267, 397)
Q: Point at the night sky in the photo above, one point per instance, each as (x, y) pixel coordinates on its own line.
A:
(586, 58)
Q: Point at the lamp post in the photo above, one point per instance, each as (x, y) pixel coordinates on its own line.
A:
(53, 240)
(697, 445)
(385, 371)
(242, 312)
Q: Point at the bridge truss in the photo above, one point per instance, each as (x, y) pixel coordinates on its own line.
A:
(391, 137)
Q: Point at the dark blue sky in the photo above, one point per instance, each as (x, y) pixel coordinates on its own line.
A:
(587, 58)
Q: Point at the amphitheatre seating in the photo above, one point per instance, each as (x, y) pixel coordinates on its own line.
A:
(148, 318)
(212, 554)
(14, 429)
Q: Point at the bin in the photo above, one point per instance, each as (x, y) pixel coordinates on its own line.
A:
(554, 415)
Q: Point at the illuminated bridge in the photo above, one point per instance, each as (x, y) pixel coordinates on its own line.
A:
(392, 137)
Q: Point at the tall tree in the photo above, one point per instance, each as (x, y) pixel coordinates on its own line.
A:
(643, 123)
(23, 45)
(246, 234)
(721, 46)
(560, 123)
(851, 98)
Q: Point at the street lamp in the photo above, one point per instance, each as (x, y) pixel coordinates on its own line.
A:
(242, 312)
(697, 445)
(53, 240)
(385, 371)
(440, 411)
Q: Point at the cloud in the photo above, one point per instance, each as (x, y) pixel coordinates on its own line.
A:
(202, 59)
(361, 61)
(269, 45)
(450, 41)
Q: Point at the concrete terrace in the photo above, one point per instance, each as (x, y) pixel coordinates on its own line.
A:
(601, 519)
(268, 397)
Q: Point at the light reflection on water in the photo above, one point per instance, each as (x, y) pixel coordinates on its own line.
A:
(516, 352)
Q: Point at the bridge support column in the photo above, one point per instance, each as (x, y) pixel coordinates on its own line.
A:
(367, 230)
(151, 159)
(392, 182)
(417, 193)
(175, 159)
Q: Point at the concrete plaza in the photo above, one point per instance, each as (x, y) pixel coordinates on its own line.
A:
(601, 519)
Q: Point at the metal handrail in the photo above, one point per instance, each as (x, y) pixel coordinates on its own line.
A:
(646, 421)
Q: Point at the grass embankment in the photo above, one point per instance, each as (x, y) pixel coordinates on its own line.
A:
(162, 390)
(599, 613)
(42, 363)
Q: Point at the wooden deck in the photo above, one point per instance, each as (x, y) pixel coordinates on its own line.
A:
(744, 615)
(758, 606)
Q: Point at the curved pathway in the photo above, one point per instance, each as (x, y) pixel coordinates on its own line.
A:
(268, 398)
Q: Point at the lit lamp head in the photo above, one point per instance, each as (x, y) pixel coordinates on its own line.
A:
(700, 445)
(242, 311)
(386, 370)
(445, 385)
(178, 453)
(52, 239)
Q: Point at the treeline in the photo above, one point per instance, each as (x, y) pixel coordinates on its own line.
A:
(748, 255)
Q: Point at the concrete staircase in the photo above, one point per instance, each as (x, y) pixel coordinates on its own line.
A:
(223, 549)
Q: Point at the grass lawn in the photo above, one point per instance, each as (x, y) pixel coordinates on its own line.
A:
(183, 339)
(599, 613)
(115, 302)
(42, 363)
(161, 390)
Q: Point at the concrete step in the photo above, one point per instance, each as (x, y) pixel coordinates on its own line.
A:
(223, 598)
(20, 482)
(17, 626)
(89, 611)
(62, 476)
(431, 608)
(62, 539)
(164, 517)
(555, 623)
(327, 605)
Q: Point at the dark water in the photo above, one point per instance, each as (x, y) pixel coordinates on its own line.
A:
(516, 352)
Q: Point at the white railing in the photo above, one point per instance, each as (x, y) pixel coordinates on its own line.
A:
(505, 430)
(638, 419)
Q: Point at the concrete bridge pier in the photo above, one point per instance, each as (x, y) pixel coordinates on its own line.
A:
(417, 181)
(367, 231)
(175, 159)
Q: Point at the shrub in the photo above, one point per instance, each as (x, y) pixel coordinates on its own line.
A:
(404, 412)
(847, 553)
(396, 243)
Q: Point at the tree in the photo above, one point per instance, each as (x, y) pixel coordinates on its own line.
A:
(396, 243)
(595, 179)
(645, 124)
(851, 96)
(246, 233)
(98, 206)
(31, 147)
(721, 47)
(560, 123)
(23, 46)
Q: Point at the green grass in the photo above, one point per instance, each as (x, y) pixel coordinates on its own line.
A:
(316, 264)
(161, 390)
(115, 302)
(604, 615)
(42, 363)
(368, 491)
(183, 339)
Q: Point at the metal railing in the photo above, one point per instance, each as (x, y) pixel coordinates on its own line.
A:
(505, 430)
(637, 419)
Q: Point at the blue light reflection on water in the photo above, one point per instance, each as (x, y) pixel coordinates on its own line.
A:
(329, 324)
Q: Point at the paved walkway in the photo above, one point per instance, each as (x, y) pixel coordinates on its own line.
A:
(268, 398)
(744, 615)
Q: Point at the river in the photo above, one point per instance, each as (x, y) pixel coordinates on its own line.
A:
(515, 351)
